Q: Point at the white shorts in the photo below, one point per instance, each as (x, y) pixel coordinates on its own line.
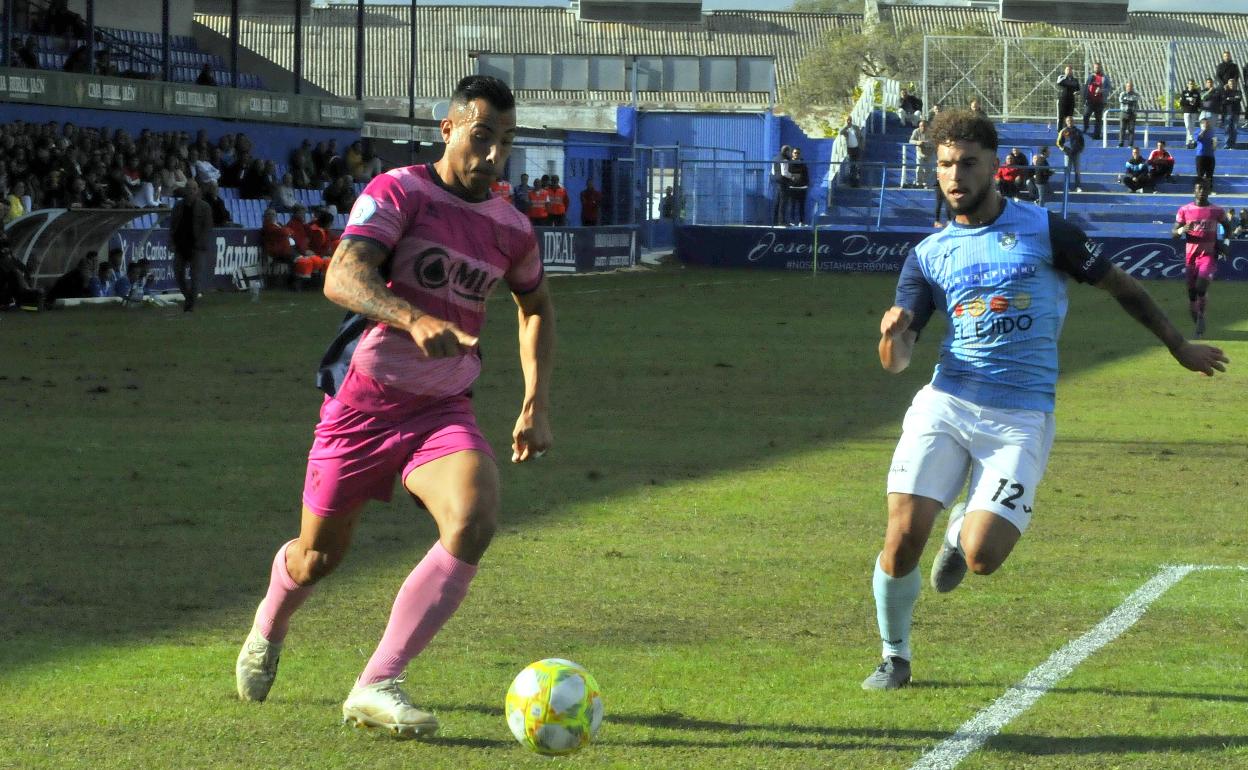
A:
(944, 438)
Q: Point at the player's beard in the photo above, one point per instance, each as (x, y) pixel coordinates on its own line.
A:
(968, 203)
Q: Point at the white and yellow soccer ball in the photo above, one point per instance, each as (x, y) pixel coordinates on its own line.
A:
(554, 707)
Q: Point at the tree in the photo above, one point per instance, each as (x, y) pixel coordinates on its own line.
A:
(828, 6)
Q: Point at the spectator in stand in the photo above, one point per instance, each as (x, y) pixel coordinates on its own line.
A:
(206, 76)
(203, 170)
(232, 174)
(667, 204)
(339, 196)
(520, 195)
(853, 148)
(799, 185)
(254, 184)
(1189, 102)
(284, 199)
(101, 284)
(557, 203)
(14, 208)
(1241, 227)
(1010, 173)
(220, 212)
(1038, 179)
(172, 177)
(76, 283)
(372, 164)
(1095, 90)
(80, 195)
(1067, 87)
(79, 61)
(1232, 107)
(1206, 147)
(538, 197)
(353, 159)
(301, 169)
(501, 188)
(190, 232)
(59, 20)
(1210, 100)
(54, 192)
(320, 161)
(1070, 141)
(1136, 175)
(321, 238)
(591, 205)
(104, 63)
(1160, 164)
(910, 108)
(780, 178)
(25, 55)
(978, 109)
(1227, 70)
(335, 166)
(1128, 106)
(278, 245)
(148, 192)
(298, 227)
(924, 153)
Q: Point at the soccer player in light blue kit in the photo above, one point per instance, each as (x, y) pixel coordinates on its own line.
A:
(999, 272)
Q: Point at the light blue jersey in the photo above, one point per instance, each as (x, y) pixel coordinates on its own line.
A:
(1003, 287)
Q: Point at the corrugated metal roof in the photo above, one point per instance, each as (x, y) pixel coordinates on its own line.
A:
(1138, 26)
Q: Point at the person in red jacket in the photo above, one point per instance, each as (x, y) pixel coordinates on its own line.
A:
(298, 227)
(591, 205)
(557, 207)
(321, 239)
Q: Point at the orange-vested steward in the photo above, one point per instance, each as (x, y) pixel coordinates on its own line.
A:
(558, 205)
(539, 198)
(501, 189)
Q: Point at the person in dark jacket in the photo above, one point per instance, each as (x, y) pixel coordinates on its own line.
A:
(1227, 71)
(799, 184)
(1070, 141)
(1067, 87)
(1189, 102)
(190, 230)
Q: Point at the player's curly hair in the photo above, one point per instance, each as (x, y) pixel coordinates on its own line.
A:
(963, 126)
(491, 89)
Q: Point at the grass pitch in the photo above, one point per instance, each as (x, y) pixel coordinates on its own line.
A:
(701, 538)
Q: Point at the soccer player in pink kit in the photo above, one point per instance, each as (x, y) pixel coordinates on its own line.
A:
(423, 248)
(1198, 223)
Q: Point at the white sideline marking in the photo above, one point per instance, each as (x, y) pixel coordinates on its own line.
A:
(1020, 697)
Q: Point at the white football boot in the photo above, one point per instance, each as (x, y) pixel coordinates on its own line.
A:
(383, 705)
(256, 667)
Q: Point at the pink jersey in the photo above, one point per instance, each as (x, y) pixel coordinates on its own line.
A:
(1202, 236)
(447, 255)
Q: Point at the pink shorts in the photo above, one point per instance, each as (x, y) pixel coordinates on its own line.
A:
(1202, 267)
(355, 456)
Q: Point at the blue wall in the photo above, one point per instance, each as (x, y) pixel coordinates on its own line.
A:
(272, 141)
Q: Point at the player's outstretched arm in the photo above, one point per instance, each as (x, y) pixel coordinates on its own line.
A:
(896, 339)
(532, 436)
(354, 281)
(1131, 295)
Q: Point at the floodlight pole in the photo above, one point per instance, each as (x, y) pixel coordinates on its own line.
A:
(164, 41)
(411, 71)
(359, 50)
(234, 32)
(298, 68)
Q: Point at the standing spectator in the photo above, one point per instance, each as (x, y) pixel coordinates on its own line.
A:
(924, 154)
(1128, 106)
(1041, 173)
(1210, 100)
(1070, 141)
(667, 204)
(780, 179)
(501, 188)
(799, 184)
(220, 212)
(1095, 90)
(1189, 102)
(520, 196)
(1227, 71)
(1136, 174)
(591, 205)
(1067, 87)
(538, 197)
(284, 194)
(1206, 146)
(977, 109)
(206, 76)
(1232, 106)
(910, 108)
(1160, 164)
(853, 149)
(190, 230)
(557, 203)
(25, 55)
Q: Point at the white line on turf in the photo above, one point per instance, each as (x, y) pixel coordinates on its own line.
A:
(987, 723)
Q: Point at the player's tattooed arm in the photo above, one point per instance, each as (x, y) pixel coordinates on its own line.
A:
(354, 281)
(1140, 306)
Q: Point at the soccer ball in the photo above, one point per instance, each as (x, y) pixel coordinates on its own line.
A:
(554, 707)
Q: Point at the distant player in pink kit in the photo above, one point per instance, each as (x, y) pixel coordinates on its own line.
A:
(423, 248)
(1197, 222)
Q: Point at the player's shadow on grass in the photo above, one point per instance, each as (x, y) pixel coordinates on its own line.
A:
(1048, 745)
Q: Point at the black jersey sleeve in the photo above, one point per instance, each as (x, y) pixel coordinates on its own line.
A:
(914, 293)
(1074, 254)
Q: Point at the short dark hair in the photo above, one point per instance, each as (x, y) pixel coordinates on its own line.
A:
(491, 89)
(964, 126)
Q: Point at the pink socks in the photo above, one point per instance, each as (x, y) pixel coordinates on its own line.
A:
(428, 598)
(284, 597)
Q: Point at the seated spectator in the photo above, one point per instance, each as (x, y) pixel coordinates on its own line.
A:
(148, 192)
(16, 285)
(1161, 164)
(278, 243)
(220, 213)
(204, 171)
(253, 183)
(54, 192)
(1136, 175)
(320, 162)
(302, 170)
(320, 238)
(372, 164)
(206, 78)
(122, 282)
(284, 194)
(80, 195)
(1010, 176)
(172, 177)
(13, 205)
(75, 283)
(910, 108)
(339, 196)
(354, 161)
(25, 55)
(298, 227)
(79, 60)
(232, 174)
(101, 284)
